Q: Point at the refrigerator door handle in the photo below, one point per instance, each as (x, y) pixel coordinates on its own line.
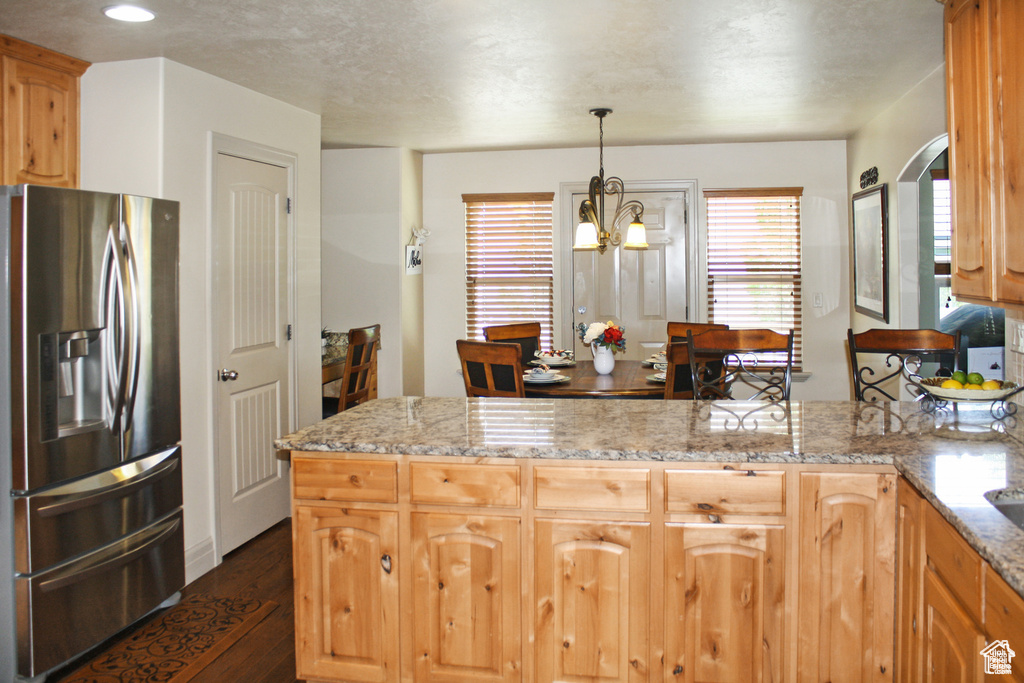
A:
(117, 482)
(120, 553)
(131, 309)
(118, 321)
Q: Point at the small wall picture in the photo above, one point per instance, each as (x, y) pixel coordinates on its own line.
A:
(870, 261)
(413, 259)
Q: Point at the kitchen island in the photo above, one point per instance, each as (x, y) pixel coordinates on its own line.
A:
(509, 539)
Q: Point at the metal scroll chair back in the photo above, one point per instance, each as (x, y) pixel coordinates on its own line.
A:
(360, 366)
(761, 359)
(878, 356)
(490, 368)
(527, 335)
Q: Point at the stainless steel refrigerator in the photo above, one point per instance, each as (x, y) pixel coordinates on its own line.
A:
(90, 422)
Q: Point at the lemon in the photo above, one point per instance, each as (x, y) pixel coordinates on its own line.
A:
(952, 384)
(991, 385)
(973, 387)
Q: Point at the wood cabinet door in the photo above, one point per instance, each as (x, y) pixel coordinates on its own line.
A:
(467, 598)
(346, 594)
(967, 94)
(952, 643)
(1008, 176)
(724, 603)
(909, 586)
(40, 125)
(847, 577)
(593, 602)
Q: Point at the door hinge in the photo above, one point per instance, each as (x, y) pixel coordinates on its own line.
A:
(288, 207)
(288, 332)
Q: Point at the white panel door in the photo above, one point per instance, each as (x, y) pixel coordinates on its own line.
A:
(642, 290)
(251, 357)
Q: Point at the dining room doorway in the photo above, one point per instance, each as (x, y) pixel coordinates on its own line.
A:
(640, 290)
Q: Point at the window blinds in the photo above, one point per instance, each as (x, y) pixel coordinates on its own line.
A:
(509, 262)
(754, 261)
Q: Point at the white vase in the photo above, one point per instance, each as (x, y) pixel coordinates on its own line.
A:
(604, 359)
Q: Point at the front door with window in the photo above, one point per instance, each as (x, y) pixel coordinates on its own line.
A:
(641, 290)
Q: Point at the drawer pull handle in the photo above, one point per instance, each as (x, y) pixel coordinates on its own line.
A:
(385, 562)
(678, 670)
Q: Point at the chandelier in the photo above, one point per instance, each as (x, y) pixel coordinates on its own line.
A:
(591, 232)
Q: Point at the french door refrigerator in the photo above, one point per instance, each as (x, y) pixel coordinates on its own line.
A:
(89, 422)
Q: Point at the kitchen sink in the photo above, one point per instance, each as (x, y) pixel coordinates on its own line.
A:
(1010, 503)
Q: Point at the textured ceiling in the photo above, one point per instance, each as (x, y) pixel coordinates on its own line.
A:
(449, 75)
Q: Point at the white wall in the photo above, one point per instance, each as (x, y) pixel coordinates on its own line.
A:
(146, 129)
(818, 167)
(890, 142)
(361, 243)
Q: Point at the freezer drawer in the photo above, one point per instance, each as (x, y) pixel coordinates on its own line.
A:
(68, 609)
(57, 524)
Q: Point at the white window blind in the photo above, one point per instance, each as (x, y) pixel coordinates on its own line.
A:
(754, 261)
(509, 262)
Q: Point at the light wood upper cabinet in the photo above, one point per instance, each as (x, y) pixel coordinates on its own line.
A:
(725, 602)
(593, 607)
(39, 115)
(346, 594)
(847, 548)
(985, 92)
(467, 599)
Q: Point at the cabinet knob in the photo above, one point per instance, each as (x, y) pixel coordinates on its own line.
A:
(385, 562)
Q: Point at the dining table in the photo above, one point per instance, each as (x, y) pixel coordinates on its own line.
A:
(628, 379)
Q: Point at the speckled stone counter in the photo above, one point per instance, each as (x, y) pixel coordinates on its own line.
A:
(952, 456)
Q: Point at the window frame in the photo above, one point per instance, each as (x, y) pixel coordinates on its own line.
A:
(786, 275)
(538, 210)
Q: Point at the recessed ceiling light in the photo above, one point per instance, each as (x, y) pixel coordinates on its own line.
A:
(128, 13)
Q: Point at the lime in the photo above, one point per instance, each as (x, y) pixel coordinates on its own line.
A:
(952, 384)
(959, 376)
(975, 378)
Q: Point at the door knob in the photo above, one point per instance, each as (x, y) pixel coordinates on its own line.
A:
(227, 375)
(582, 310)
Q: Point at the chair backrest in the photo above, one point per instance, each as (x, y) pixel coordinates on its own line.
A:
(742, 353)
(677, 331)
(890, 348)
(678, 382)
(527, 335)
(360, 364)
(490, 368)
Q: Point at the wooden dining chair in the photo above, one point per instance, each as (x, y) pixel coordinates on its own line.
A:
(491, 368)
(677, 330)
(678, 381)
(761, 359)
(360, 367)
(877, 357)
(527, 335)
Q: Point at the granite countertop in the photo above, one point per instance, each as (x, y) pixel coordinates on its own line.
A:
(952, 456)
(335, 349)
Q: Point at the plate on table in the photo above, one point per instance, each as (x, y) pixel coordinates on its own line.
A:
(545, 379)
(933, 386)
(653, 360)
(657, 377)
(554, 362)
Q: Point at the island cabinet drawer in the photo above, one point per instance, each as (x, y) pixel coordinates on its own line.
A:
(958, 565)
(592, 488)
(1004, 610)
(458, 484)
(361, 481)
(721, 492)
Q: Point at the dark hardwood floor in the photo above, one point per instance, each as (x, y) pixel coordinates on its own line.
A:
(262, 568)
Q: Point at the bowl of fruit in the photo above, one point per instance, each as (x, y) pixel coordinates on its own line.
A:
(962, 386)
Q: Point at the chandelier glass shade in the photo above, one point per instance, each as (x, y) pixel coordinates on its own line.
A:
(593, 232)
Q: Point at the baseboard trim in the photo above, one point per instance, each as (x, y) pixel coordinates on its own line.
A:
(199, 559)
